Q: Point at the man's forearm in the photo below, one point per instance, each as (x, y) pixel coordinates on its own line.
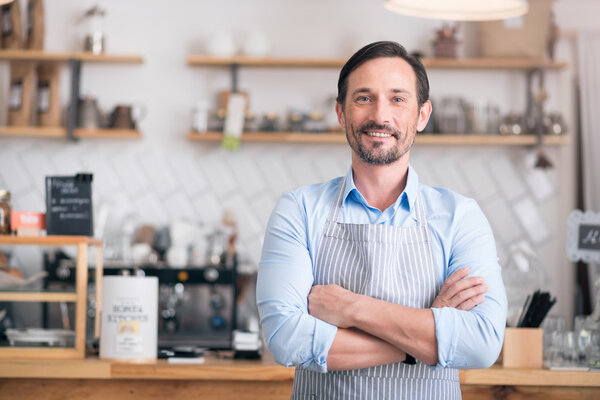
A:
(354, 349)
(410, 330)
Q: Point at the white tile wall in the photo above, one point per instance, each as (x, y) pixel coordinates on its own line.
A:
(158, 171)
(533, 222)
(154, 183)
(503, 220)
(447, 171)
(505, 173)
(247, 174)
(479, 179)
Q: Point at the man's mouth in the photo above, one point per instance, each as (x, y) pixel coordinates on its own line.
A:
(378, 134)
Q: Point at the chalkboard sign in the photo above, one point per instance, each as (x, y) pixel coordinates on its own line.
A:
(583, 236)
(69, 205)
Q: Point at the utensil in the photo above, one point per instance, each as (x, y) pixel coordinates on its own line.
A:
(535, 309)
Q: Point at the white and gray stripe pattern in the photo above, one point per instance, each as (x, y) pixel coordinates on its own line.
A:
(391, 263)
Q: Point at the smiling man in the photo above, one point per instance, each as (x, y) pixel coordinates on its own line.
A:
(374, 285)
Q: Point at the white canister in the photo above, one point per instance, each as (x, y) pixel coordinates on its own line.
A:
(129, 324)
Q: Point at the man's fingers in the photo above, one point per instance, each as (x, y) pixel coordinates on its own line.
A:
(471, 303)
(467, 294)
(452, 279)
(457, 276)
(462, 285)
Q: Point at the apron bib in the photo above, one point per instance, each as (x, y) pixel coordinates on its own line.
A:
(390, 263)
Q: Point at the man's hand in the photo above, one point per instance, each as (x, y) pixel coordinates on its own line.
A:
(460, 292)
(330, 303)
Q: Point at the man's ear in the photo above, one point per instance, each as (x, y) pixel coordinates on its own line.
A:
(339, 110)
(424, 114)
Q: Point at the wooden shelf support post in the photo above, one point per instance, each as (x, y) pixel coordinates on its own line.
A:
(81, 281)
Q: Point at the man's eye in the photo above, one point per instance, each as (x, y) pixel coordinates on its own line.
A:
(362, 98)
(398, 99)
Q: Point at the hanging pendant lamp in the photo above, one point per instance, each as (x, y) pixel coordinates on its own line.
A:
(459, 10)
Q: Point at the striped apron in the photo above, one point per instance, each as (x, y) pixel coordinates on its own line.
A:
(390, 263)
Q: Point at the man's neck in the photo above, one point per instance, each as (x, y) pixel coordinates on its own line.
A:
(380, 185)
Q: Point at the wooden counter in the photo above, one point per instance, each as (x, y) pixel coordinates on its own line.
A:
(219, 378)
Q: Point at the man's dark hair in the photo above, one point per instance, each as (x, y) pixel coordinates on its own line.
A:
(379, 50)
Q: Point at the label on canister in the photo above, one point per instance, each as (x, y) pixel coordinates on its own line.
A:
(129, 323)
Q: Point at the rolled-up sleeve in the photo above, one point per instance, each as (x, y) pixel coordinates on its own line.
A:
(473, 339)
(285, 278)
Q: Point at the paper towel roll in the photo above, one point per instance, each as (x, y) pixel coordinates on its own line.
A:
(129, 324)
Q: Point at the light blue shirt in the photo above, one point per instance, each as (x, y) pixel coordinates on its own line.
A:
(461, 237)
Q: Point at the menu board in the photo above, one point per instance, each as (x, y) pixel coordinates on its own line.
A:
(583, 236)
(589, 237)
(69, 205)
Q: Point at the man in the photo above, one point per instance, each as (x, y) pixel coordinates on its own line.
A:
(362, 275)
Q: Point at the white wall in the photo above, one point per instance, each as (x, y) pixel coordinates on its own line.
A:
(164, 176)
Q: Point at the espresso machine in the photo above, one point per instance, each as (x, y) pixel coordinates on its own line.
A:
(197, 306)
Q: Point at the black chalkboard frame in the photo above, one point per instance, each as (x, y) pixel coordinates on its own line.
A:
(75, 214)
(583, 236)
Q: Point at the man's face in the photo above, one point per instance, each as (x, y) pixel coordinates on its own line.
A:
(381, 115)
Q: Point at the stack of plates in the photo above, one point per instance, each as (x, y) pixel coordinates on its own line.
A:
(50, 337)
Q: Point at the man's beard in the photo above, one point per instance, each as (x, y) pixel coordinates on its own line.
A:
(373, 156)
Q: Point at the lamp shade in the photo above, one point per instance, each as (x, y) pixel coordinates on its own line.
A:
(459, 10)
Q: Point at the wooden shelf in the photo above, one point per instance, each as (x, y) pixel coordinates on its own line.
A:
(33, 131)
(37, 55)
(18, 354)
(54, 240)
(108, 134)
(208, 61)
(108, 58)
(435, 63)
(60, 132)
(39, 296)
(79, 297)
(492, 63)
(422, 139)
(264, 369)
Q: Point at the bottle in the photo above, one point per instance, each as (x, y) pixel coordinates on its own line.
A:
(5, 212)
(200, 122)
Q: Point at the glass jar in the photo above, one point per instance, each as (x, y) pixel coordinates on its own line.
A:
(315, 122)
(216, 120)
(270, 122)
(452, 116)
(5, 212)
(200, 117)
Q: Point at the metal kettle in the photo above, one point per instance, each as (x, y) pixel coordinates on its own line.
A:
(89, 115)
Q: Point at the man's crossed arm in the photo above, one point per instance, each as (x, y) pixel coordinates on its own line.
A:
(375, 332)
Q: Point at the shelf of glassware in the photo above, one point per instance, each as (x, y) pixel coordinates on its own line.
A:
(79, 297)
(422, 139)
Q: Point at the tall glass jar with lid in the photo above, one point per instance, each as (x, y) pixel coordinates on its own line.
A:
(5, 212)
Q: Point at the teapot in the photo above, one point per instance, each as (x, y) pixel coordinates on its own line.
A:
(126, 116)
(89, 115)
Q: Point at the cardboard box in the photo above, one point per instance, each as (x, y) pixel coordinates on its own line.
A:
(27, 220)
(526, 37)
(523, 348)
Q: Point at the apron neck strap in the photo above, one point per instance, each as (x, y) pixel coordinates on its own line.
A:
(420, 213)
(335, 207)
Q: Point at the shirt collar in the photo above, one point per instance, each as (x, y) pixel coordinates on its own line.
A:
(406, 199)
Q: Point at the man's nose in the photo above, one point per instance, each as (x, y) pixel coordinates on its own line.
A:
(382, 113)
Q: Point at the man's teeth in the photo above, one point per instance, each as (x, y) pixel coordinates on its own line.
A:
(378, 134)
